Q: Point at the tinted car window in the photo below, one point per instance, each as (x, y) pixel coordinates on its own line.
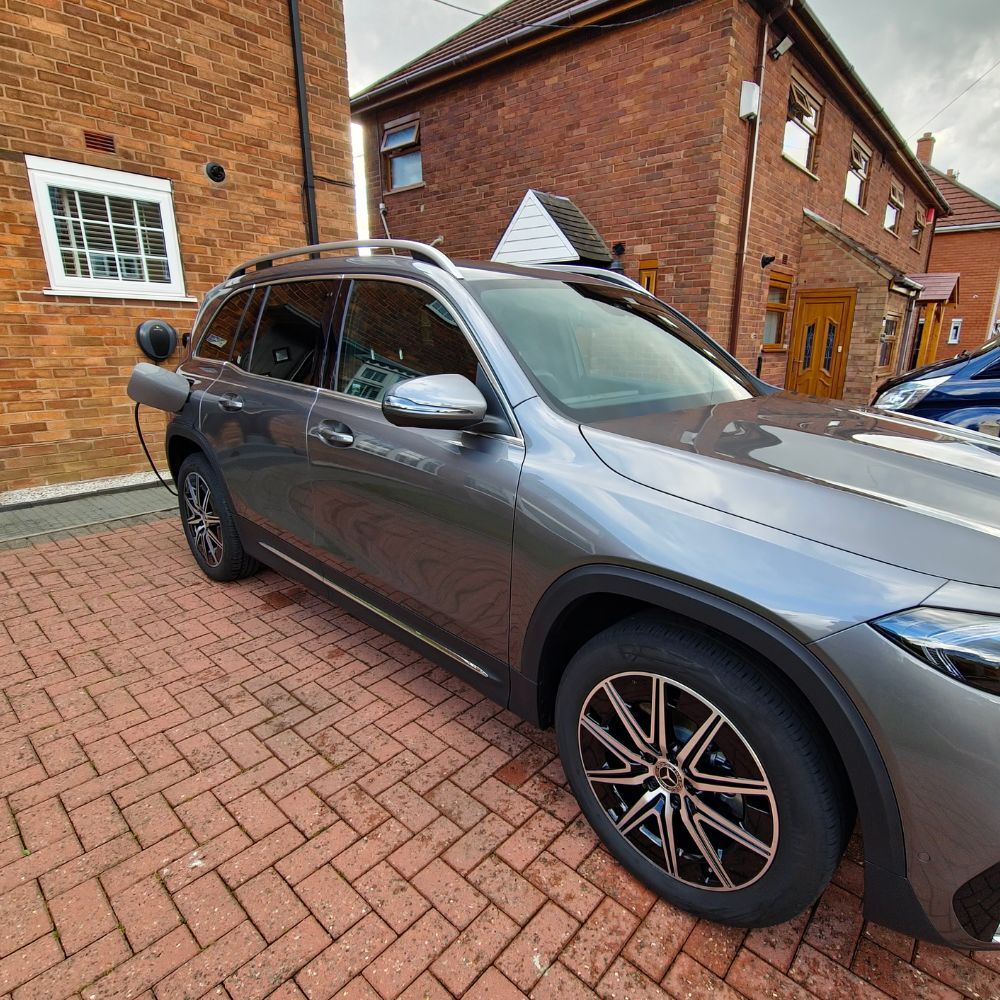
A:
(224, 328)
(289, 341)
(243, 341)
(394, 332)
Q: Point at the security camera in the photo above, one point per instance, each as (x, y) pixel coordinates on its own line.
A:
(782, 47)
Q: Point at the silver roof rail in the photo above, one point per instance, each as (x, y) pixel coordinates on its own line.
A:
(418, 251)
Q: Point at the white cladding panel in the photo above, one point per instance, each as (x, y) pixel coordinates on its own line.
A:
(533, 237)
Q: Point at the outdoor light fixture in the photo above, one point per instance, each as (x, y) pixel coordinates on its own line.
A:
(215, 172)
(782, 47)
(767, 260)
(616, 265)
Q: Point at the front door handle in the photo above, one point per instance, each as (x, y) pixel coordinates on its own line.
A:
(335, 434)
(230, 401)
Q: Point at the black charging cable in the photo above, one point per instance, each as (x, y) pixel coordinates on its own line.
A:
(149, 457)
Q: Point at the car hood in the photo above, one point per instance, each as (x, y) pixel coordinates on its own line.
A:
(886, 486)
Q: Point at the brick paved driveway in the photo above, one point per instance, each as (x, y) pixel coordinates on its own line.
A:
(241, 791)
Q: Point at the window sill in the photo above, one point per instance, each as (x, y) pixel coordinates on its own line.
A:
(855, 205)
(890, 232)
(774, 348)
(798, 166)
(125, 295)
(409, 187)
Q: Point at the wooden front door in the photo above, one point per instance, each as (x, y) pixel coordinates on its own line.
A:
(821, 336)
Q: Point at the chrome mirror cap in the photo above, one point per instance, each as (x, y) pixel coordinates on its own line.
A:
(447, 402)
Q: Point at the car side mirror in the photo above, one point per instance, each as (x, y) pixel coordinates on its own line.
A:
(446, 402)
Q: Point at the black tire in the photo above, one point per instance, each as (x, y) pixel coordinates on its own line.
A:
(776, 842)
(209, 523)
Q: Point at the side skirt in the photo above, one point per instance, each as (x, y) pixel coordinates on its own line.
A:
(477, 669)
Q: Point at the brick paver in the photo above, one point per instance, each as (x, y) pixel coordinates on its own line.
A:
(239, 791)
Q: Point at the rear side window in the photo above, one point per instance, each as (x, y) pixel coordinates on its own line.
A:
(289, 342)
(217, 343)
(394, 332)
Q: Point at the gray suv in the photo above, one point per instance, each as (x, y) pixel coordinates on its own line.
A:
(751, 616)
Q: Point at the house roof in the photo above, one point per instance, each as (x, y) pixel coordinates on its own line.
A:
(548, 228)
(497, 26)
(519, 23)
(968, 207)
(941, 287)
(876, 262)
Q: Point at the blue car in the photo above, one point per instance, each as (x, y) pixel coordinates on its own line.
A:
(964, 391)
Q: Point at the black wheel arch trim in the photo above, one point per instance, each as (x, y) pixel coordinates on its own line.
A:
(866, 771)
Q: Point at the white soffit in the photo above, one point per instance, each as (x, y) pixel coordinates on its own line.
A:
(532, 237)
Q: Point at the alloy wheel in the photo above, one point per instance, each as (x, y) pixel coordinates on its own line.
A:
(203, 522)
(679, 782)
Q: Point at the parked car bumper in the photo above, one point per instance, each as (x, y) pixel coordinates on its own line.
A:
(940, 740)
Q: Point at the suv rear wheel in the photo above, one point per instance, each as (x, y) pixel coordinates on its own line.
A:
(699, 774)
(209, 523)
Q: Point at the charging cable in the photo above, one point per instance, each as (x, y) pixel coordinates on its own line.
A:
(149, 457)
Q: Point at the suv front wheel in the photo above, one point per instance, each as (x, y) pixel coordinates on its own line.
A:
(699, 773)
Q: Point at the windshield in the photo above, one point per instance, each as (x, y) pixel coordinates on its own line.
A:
(990, 345)
(597, 352)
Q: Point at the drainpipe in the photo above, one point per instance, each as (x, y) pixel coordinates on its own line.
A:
(308, 175)
(750, 176)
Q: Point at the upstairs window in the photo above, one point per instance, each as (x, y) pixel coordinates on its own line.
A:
(401, 152)
(105, 232)
(894, 207)
(919, 226)
(856, 191)
(802, 126)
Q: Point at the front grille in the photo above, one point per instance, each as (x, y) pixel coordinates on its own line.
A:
(977, 904)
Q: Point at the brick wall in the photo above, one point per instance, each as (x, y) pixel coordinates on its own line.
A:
(976, 256)
(824, 262)
(641, 128)
(177, 86)
(783, 190)
(626, 123)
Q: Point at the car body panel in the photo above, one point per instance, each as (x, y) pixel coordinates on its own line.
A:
(573, 510)
(944, 764)
(424, 517)
(777, 459)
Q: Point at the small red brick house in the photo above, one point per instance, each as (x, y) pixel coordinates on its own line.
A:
(967, 242)
(754, 180)
(112, 115)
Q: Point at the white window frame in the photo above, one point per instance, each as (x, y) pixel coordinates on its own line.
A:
(43, 173)
(955, 332)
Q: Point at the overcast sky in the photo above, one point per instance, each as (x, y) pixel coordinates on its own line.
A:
(914, 55)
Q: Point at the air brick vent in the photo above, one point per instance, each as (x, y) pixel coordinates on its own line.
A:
(99, 141)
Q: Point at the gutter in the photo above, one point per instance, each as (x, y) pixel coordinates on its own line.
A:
(970, 227)
(302, 95)
(370, 97)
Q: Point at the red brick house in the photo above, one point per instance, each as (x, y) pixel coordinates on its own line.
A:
(966, 242)
(112, 117)
(639, 112)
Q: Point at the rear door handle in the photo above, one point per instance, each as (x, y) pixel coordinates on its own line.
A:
(335, 434)
(230, 401)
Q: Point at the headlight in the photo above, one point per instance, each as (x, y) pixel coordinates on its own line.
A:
(961, 644)
(902, 397)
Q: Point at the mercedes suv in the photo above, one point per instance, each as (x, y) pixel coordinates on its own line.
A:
(750, 616)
